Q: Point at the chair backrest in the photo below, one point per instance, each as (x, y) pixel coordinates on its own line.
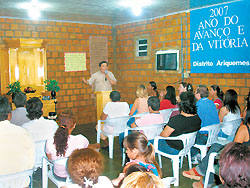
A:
(168, 181)
(151, 131)
(166, 114)
(233, 125)
(119, 123)
(16, 180)
(40, 153)
(188, 141)
(175, 112)
(213, 131)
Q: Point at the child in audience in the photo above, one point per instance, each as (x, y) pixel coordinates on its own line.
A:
(140, 151)
(85, 167)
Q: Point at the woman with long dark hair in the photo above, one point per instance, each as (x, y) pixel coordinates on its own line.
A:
(63, 143)
(169, 100)
(152, 89)
(217, 96)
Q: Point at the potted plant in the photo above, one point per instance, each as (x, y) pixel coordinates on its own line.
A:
(52, 85)
(14, 88)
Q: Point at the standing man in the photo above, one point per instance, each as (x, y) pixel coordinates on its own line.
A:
(103, 79)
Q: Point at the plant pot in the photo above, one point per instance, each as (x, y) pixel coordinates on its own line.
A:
(53, 95)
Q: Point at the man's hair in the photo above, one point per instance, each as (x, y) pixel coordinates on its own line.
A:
(203, 91)
(234, 165)
(34, 108)
(154, 103)
(115, 96)
(100, 64)
(19, 99)
(5, 108)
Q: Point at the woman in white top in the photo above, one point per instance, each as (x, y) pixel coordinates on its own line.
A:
(85, 167)
(230, 111)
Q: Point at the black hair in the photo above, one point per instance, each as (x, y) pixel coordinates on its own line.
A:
(19, 99)
(188, 86)
(5, 108)
(153, 85)
(115, 96)
(248, 101)
(154, 103)
(230, 101)
(187, 103)
(203, 91)
(34, 108)
(171, 94)
(220, 93)
(100, 64)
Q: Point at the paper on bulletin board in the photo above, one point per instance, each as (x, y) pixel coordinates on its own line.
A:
(74, 61)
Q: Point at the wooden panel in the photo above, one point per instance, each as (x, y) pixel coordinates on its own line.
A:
(4, 71)
(102, 97)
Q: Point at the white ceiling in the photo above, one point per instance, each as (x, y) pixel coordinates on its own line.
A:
(108, 12)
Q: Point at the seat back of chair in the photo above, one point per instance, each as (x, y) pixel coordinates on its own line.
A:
(188, 141)
(213, 131)
(233, 125)
(119, 123)
(166, 114)
(175, 112)
(16, 180)
(40, 153)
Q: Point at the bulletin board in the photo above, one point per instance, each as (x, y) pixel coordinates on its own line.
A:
(74, 61)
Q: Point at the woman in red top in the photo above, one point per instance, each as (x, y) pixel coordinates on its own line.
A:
(169, 100)
(217, 96)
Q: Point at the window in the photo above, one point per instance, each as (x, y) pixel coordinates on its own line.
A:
(142, 47)
(167, 60)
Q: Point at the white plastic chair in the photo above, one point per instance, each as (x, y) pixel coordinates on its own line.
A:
(210, 167)
(16, 180)
(119, 124)
(168, 181)
(39, 153)
(166, 114)
(188, 141)
(213, 131)
(140, 114)
(233, 125)
(47, 171)
(151, 131)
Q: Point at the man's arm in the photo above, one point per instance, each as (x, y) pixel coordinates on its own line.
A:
(85, 81)
(113, 82)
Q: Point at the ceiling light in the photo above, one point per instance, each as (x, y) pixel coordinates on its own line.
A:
(136, 5)
(34, 7)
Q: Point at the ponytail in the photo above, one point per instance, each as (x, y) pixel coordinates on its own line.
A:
(61, 140)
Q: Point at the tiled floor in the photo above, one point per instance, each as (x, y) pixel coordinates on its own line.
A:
(113, 166)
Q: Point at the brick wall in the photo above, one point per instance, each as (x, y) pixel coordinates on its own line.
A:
(63, 37)
(165, 33)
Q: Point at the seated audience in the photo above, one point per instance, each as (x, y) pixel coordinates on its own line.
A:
(19, 115)
(242, 136)
(229, 112)
(184, 87)
(208, 114)
(38, 127)
(142, 180)
(113, 109)
(63, 143)
(140, 103)
(247, 106)
(85, 167)
(16, 144)
(186, 122)
(217, 96)
(154, 116)
(152, 89)
(169, 100)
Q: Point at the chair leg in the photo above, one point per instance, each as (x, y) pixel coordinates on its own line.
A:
(111, 143)
(175, 164)
(203, 152)
(123, 156)
(189, 160)
(181, 161)
(98, 137)
(44, 174)
(159, 159)
(206, 179)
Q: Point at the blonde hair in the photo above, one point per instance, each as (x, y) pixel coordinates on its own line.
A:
(142, 180)
(141, 91)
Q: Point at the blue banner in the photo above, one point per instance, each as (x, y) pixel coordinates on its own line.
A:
(220, 38)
